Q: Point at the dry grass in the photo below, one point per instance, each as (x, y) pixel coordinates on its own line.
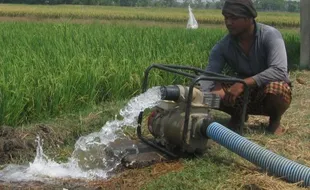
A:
(294, 144)
(256, 180)
(134, 179)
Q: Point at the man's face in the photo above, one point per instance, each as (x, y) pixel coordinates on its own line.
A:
(236, 25)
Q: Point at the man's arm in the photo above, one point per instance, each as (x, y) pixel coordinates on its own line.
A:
(276, 60)
(216, 65)
(277, 66)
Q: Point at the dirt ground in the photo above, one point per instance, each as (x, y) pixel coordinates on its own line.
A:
(16, 144)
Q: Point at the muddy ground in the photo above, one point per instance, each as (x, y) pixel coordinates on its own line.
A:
(18, 146)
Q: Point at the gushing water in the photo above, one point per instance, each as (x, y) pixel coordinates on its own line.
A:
(93, 157)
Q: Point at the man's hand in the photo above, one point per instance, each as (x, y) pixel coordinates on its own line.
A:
(236, 89)
(233, 92)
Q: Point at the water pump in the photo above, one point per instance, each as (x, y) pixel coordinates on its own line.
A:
(166, 121)
(177, 123)
(182, 123)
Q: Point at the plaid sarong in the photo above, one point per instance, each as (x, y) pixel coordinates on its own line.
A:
(281, 89)
(258, 94)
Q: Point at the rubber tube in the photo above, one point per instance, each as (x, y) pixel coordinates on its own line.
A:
(269, 161)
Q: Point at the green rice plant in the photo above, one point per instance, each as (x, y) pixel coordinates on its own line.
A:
(49, 69)
(178, 15)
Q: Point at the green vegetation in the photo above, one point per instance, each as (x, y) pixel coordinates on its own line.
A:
(203, 16)
(63, 80)
(49, 69)
(262, 5)
(203, 173)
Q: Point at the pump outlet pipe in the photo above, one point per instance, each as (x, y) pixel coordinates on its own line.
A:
(267, 160)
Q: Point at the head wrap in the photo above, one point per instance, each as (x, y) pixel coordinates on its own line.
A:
(239, 8)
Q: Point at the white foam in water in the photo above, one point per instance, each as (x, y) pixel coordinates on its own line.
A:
(92, 157)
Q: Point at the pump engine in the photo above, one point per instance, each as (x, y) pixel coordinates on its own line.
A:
(167, 120)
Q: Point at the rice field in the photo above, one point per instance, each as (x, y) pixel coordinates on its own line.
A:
(203, 16)
(52, 68)
(48, 69)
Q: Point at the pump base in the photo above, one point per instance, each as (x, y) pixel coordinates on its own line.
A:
(138, 154)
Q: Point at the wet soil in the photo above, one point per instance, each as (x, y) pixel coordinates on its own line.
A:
(17, 145)
(128, 179)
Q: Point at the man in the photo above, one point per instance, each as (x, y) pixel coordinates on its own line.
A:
(257, 54)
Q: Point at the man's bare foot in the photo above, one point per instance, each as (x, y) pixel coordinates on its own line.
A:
(276, 129)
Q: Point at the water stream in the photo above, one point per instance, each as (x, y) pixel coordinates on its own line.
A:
(93, 157)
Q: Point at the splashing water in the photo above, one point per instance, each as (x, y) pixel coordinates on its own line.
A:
(93, 157)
